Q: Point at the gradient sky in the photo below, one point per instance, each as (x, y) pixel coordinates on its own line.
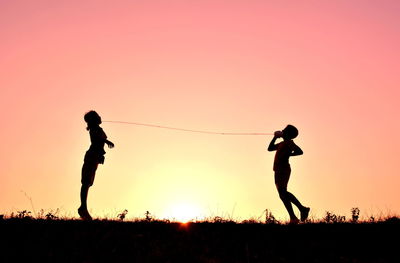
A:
(331, 68)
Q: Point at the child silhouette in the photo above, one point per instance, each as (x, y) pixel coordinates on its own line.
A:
(93, 157)
(284, 150)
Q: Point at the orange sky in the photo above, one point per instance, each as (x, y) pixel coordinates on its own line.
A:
(332, 68)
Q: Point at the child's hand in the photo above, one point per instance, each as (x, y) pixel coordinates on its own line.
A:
(110, 144)
(278, 134)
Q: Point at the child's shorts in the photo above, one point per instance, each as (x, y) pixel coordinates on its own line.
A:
(88, 173)
(282, 178)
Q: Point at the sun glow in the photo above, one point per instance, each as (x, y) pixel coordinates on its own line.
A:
(184, 212)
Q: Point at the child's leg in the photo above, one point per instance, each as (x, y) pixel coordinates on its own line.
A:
(88, 174)
(82, 210)
(281, 181)
(285, 197)
(303, 210)
(295, 201)
(84, 194)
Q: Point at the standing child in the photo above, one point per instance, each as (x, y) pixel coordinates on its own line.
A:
(93, 157)
(282, 170)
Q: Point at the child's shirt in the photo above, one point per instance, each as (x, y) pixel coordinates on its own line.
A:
(96, 151)
(283, 152)
(97, 139)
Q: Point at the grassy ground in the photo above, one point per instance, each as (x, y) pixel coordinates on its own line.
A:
(41, 240)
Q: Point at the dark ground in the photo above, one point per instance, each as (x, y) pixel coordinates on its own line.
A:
(110, 241)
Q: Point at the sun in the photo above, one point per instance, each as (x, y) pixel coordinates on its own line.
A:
(184, 212)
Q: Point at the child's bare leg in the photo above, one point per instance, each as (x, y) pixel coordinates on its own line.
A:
(295, 201)
(303, 210)
(283, 194)
(82, 210)
(84, 195)
(88, 173)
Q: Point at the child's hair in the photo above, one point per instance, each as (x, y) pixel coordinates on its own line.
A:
(91, 118)
(291, 131)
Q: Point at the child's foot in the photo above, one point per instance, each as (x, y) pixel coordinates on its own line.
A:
(304, 213)
(294, 221)
(84, 214)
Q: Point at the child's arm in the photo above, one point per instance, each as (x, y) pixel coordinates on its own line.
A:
(109, 144)
(272, 146)
(296, 151)
(100, 135)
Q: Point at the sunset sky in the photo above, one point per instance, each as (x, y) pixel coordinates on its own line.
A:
(331, 68)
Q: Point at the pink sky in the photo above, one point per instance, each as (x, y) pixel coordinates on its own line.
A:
(329, 67)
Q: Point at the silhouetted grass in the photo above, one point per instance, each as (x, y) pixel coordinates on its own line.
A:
(51, 239)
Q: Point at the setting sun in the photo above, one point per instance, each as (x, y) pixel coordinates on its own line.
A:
(184, 212)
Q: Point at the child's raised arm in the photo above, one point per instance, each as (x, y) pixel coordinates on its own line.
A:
(272, 146)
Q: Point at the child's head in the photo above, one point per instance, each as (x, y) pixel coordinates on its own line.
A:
(92, 119)
(290, 132)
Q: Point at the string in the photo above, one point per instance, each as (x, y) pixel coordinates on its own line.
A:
(189, 130)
